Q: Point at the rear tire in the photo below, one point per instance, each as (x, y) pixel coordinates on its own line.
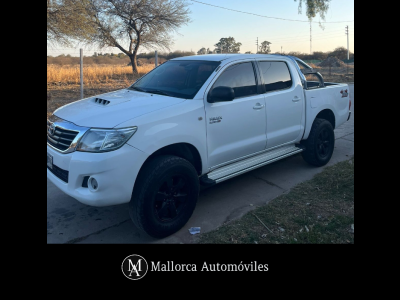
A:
(165, 196)
(320, 143)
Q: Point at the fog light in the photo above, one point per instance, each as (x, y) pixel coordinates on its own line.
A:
(93, 184)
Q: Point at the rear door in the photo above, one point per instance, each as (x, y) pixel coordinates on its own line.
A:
(236, 128)
(284, 102)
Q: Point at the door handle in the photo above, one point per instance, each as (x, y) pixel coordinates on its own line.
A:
(296, 99)
(258, 106)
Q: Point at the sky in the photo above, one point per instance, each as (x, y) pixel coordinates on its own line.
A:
(209, 24)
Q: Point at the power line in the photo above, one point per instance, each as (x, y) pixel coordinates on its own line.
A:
(320, 33)
(304, 38)
(285, 37)
(299, 41)
(243, 12)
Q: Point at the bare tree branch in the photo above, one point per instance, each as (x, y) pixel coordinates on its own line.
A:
(131, 24)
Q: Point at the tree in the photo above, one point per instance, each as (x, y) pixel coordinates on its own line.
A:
(339, 52)
(314, 7)
(227, 45)
(320, 55)
(67, 20)
(265, 48)
(202, 51)
(131, 24)
(147, 23)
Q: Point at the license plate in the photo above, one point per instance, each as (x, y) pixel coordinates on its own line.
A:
(49, 161)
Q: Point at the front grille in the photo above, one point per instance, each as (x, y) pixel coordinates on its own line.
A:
(60, 173)
(61, 139)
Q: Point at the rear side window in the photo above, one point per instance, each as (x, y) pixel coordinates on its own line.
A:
(241, 78)
(276, 75)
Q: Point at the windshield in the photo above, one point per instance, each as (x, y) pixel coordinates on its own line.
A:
(180, 78)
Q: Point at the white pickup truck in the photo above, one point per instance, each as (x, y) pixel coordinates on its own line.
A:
(192, 121)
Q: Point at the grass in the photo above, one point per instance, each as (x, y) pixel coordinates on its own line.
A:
(336, 74)
(63, 82)
(92, 74)
(318, 211)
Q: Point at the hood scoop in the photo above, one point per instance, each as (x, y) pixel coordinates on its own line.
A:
(101, 101)
(116, 97)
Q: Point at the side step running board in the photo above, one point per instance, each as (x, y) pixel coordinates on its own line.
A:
(254, 162)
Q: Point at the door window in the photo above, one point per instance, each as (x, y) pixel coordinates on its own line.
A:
(240, 78)
(276, 75)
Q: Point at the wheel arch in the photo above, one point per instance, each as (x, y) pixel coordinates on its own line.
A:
(184, 150)
(327, 114)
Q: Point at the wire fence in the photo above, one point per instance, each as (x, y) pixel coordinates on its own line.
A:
(317, 61)
(340, 74)
(63, 71)
(89, 74)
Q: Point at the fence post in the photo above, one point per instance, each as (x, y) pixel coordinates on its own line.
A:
(81, 66)
(156, 60)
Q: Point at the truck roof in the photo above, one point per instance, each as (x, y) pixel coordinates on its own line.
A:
(221, 57)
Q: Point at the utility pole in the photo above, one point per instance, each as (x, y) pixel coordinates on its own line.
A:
(347, 32)
(257, 45)
(81, 70)
(348, 52)
(281, 50)
(156, 59)
(310, 39)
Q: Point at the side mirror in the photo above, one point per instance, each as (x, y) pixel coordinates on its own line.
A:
(221, 93)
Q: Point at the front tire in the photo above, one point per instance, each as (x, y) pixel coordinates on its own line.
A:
(320, 143)
(165, 196)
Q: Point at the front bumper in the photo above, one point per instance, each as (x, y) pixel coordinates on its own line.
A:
(115, 172)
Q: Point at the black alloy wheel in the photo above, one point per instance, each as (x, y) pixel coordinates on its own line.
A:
(171, 198)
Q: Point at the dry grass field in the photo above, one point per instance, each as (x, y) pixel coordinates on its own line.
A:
(336, 74)
(92, 74)
(63, 82)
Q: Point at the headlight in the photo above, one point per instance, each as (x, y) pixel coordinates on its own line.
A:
(103, 140)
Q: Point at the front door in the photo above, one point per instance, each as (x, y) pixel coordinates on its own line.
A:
(236, 128)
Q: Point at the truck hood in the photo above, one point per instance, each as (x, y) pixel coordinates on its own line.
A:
(109, 110)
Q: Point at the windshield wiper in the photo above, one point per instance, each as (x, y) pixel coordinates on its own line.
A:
(159, 92)
(138, 89)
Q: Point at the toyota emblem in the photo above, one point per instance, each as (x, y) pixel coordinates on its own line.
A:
(52, 129)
